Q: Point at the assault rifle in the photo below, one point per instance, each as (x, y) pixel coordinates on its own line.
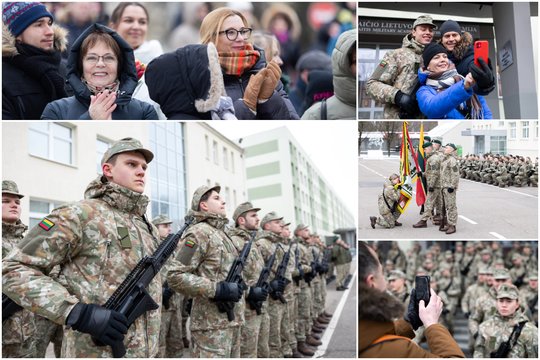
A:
(131, 298)
(444, 219)
(235, 276)
(505, 347)
(301, 274)
(313, 273)
(465, 271)
(263, 281)
(326, 256)
(280, 275)
(9, 307)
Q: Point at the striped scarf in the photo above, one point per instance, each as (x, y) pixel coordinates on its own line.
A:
(99, 89)
(236, 62)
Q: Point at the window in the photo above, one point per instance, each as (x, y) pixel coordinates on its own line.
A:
(498, 145)
(215, 152)
(207, 147)
(513, 131)
(225, 158)
(232, 159)
(101, 148)
(39, 209)
(525, 129)
(51, 141)
(536, 129)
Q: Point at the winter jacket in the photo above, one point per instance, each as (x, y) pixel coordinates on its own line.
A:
(444, 104)
(277, 107)
(378, 312)
(343, 104)
(76, 107)
(24, 96)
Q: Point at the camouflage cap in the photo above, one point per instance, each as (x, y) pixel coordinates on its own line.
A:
(459, 243)
(272, 215)
(286, 224)
(396, 274)
(125, 145)
(421, 270)
(501, 274)
(10, 187)
(485, 252)
(199, 193)
(484, 270)
(300, 227)
(243, 208)
(161, 219)
(516, 256)
(448, 253)
(508, 291)
(533, 276)
(424, 20)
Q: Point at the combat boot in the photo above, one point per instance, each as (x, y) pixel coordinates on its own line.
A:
(313, 342)
(316, 329)
(297, 354)
(436, 222)
(186, 342)
(304, 349)
(316, 336)
(327, 314)
(321, 319)
(443, 228)
(420, 224)
(397, 224)
(451, 229)
(373, 221)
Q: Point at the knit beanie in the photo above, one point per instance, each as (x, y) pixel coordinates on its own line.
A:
(314, 60)
(449, 25)
(19, 15)
(430, 51)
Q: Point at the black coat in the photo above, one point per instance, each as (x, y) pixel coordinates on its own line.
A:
(76, 107)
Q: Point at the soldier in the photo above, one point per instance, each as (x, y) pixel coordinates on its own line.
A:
(394, 81)
(516, 249)
(508, 320)
(97, 241)
(398, 286)
(518, 271)
(19, 331)
(387, 204)
(340, 257)
(449, 285)
(199, 271)
(318, 327)
(530, 294)
(170, 333)
(397, 256)
(246, 220)
(529, 259)
(449, 185)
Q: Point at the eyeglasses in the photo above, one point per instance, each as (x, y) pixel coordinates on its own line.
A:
(94, 59)
(232, 34)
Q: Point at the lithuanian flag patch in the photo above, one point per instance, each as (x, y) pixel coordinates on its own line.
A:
(190, 243)
(46, 224)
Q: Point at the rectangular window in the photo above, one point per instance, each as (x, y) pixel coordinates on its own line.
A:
(40, 209)
(101, 148)
(232, 157)
(51, 141)
(225, 158)
(207, 147)
(215, 152)
(513, 131)
(525, 129)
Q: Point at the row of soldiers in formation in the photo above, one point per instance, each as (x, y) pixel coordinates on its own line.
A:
(281, 317)
(500, 170)
(470, 279)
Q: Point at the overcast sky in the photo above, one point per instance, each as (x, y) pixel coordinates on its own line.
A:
(331, 145)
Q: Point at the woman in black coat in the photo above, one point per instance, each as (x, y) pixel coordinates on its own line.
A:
(102, 73)
(251, 83)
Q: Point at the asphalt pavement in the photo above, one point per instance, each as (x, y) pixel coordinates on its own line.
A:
(485, 212)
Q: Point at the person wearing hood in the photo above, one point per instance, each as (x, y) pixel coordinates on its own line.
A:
(342, 105)
(383, 331)
(102, 73)
(32, 74)
(395, 78)
(97, 241)
(444, 93)
(251, 82)
(509, 319)
(459, 45)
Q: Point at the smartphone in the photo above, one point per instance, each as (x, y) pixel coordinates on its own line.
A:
(481, 50)
(422, 289)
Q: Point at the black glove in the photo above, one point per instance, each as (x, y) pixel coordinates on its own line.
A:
(430, 189)
(483, 75)
(406, 102)
(398, 187)
(187, 306)
(278, 285)
(166, 295)
(450, 190)
(412, 312)
(257, 294)
(106, 326)
(467, 314)
(227, 291)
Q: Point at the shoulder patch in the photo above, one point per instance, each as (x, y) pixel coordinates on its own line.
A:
(186, 251)
(46, 224)
(383, 64)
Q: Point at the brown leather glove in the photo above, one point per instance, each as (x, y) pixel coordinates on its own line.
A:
(251, 94)
(273, 72)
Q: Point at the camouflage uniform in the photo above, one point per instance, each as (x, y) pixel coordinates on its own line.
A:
(316, 292)
(433, 177)
(450, 179)
(340, 257)
(501, 176)
(388, 214)
(397, 256)
(288, 322)
(85, 238)
(204, 259)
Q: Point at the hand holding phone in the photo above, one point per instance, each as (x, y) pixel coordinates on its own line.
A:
(422, 289)
(481, 50)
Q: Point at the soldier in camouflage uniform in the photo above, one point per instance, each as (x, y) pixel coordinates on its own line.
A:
(395, 78)
(19, 331)
(501, 176)
(387, 204)
(530, 294)
(397, 256)
(398, 286)
(433, 179)
(246, 221)
(170, 333)
(518, 271)
(204, 259)
(449, 185)
(472, 293)
(497, 330)
(339, 254)
(97, 241)
(450, 286)
(318, 327)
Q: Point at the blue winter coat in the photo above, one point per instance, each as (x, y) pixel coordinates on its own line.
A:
(443, 105)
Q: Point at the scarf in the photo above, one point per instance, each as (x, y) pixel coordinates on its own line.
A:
(470, 109)
(113, 87)
(236, 62)
(43, 66)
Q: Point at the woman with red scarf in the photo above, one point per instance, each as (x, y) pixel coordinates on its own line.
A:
(251, 82)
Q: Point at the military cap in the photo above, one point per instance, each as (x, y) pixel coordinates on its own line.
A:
(452, 146)
(499, 261)
(508, 291)
(459, 243)
(533, 276)
(286, 224)
(424, 20)
(199, 193)
(527, 244)
(272, 215)
(500, 274)
(484, 270)
(426, 145)
(125, 145)
(421, 270)
(10, 187)
(427, 139)
(242, 209)
(300, 227)
(516, 256)
(469, 245)
(448, 253)
(396, 274)
(485, 252)
(437, 141)
(161, 219)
